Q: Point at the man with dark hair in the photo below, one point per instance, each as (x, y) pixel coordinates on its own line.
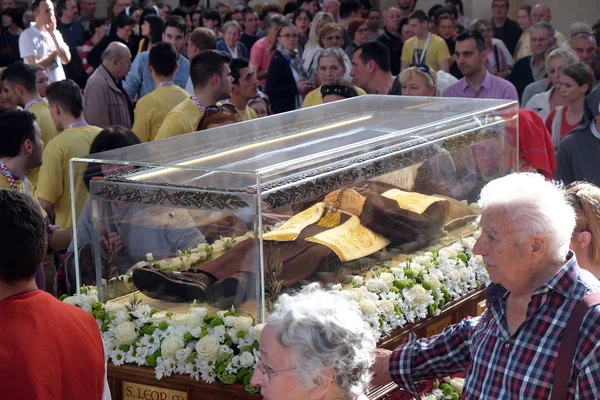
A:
(406, 7)
(30, 336)
(371, 70)
(250, 34)
(425, 47)
(107, 102)
(54, 186)
(211, 77)
(391, 37)
(73, 33)
(120, 33)
(152, 109)
(349, 10)
(88, 12)
(187, 6)
(311, 5)
(533, 67)
(19, 80)
(201, 39)
(505, 28)
(244, 87)
(42, 44)
(477, 83)
(139, 81)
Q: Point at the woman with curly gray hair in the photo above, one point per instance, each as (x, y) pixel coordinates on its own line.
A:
(315, 346)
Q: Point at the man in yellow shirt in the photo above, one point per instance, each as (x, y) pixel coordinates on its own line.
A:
(152, 109)
(54, 187)
(20, 81)
(21, 150)
(425, 47)
(211, 77)
(243, 88)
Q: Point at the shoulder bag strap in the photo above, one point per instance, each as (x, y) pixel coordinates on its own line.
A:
(556, 124)
(566, 349)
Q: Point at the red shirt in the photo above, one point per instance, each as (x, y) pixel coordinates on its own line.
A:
(565, 128)
(49, 350)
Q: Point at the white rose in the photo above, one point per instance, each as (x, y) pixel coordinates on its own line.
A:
(376, 285)
(385, 306)
(368, 307)
(349, 295)
(87, 302)
(170, 345)
(420, 294)
(149, 257)
(208, 347)
(196, 316)
(246, 359)
(242, 323)
(448, 252)
(424, 259)
(160, 316)
(256, 331)
(476, 235)
(203, 247)
(434, 282)
(113, 308)
(221, 314)
(388, 278)
(357, 280)
(228, 321)
(358, 293)
(125, 332)
(72, 300)
(219, 331)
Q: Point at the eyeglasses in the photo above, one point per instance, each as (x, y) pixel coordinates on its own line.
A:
(268, 373)
(421, 67)
(336, 88)
(362, 30)
(290, 36)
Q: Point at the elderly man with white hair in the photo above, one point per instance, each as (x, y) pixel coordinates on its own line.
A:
(315, 346)
(510, 351)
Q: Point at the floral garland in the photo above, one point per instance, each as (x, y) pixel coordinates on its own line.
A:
(224, 347)
(450, 389)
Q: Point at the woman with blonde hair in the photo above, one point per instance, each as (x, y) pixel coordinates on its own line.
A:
(585, 243)
(419, 80)
(544, 96)
(312, 48)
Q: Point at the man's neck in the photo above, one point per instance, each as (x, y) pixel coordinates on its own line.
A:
(254, 34)
(160, 79)
(69, 119)
(40, 25)
(394, 32)
(476, 79)
(205, 97)
(539, 59)
(7, 291)
(16, 165)
(382, 83)
(423, 36)
(66, 20)
(404, 13)
(27, 97)
(238, 101)
(14, 29)
(499, 22)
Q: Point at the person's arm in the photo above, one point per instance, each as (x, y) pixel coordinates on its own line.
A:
(96, 102)
(61, 238)
(142, 121)
(445, 65)
(256, 56)
(510, 93)
(50, 188)
(133, 82)
(63, 49)
(444, 57)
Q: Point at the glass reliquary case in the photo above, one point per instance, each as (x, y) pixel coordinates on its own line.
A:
(236, 215)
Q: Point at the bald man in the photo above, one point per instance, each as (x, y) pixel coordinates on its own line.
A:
(540, 12)
(106, 102)
(391, 37)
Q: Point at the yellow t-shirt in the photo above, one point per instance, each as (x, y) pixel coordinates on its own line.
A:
(41, 111)
(5, 185)
(247, 114)
(313, 98)
(151, 110)
(54, 183)
(182, 119)
(437, 51)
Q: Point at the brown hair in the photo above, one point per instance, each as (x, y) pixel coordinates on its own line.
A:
(273, 45)
(355, 24)
(527, 8)
(222, 117)
(585, 199)
(582, 74)
(327, 29)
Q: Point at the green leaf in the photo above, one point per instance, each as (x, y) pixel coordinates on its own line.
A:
(163, 326)
(240, 334)
(188, 336)
(124, 348)
(151, 361)
(64, 296)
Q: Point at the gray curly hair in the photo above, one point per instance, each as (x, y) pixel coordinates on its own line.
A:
(325, 330)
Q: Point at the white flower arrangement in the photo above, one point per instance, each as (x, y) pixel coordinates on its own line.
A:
(224, 347)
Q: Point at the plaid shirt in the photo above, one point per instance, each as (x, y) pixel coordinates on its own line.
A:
(501, 366)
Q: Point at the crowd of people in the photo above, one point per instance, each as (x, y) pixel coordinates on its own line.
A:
(72, 84)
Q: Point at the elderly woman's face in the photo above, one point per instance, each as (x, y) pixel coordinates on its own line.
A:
(275, 374)
(417, 86)
(330, 70)
(333, 38)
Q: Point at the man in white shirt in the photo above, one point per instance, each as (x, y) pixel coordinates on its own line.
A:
(42, 44)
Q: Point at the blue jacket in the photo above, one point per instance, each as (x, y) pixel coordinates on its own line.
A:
(242, 50)
(139, 81)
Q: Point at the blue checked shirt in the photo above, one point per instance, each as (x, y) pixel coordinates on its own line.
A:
(500, 366)
(139, 80)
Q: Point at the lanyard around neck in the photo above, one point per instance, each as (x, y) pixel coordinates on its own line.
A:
(33, 103)
(11, 179)
(417, 60)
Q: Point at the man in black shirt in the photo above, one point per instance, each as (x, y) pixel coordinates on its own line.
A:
(391, 38)
(505, 28)
(250, 34)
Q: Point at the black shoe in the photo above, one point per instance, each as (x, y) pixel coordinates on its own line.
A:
(174, 286)
(228, 292)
